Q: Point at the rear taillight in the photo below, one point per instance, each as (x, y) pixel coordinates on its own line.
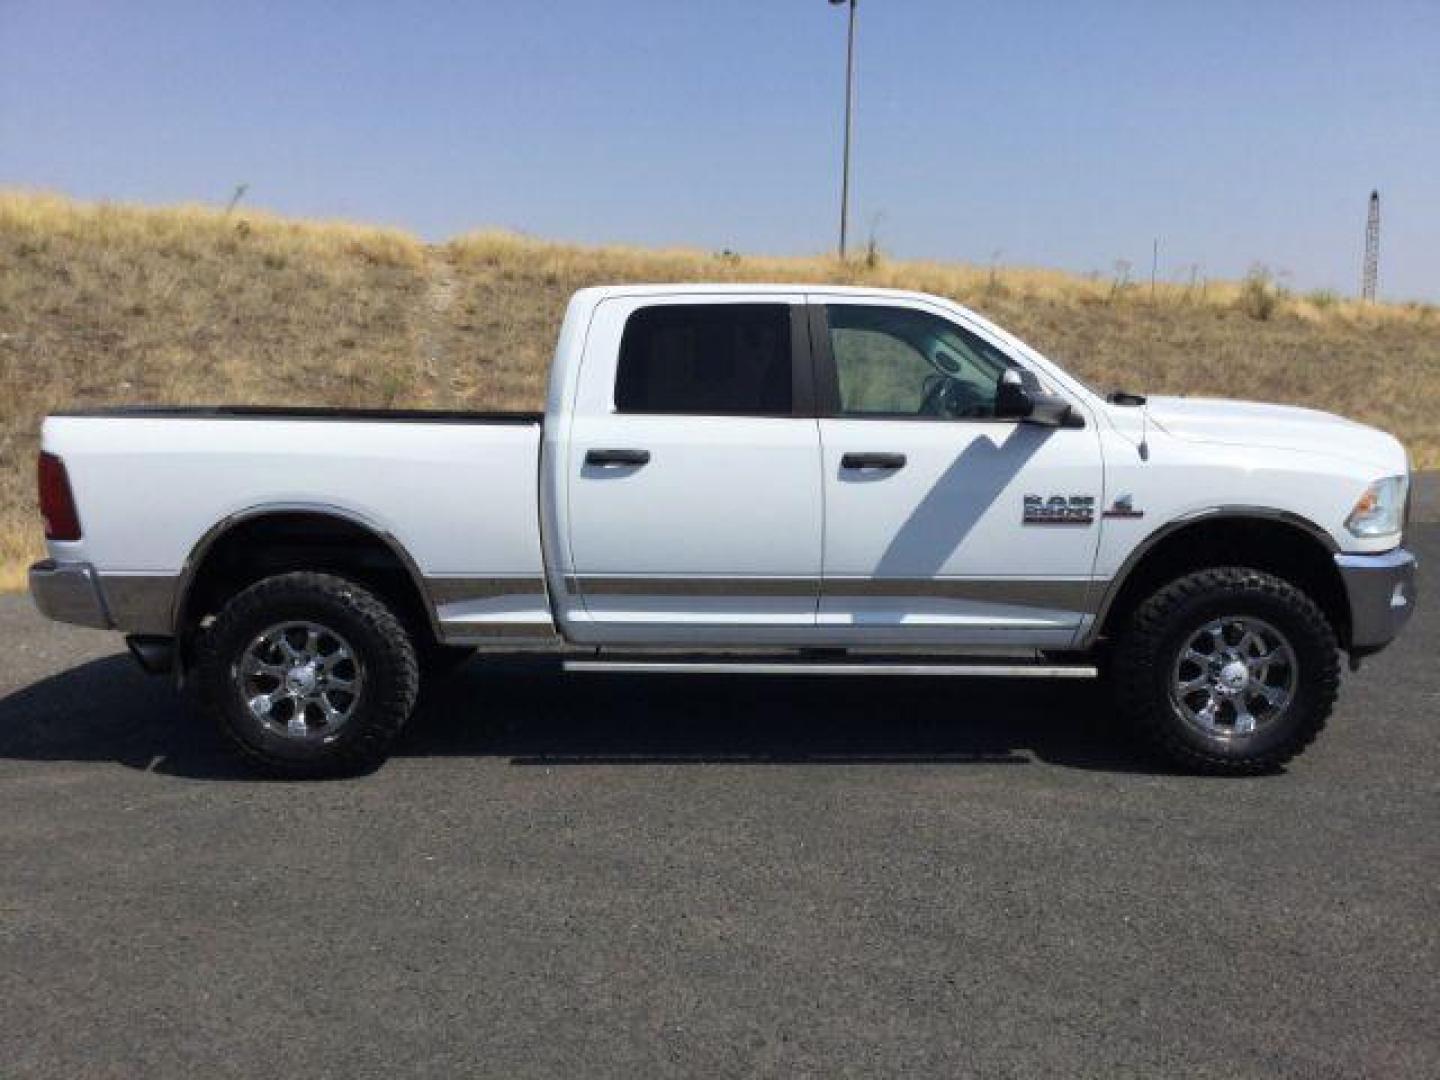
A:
(57, 502)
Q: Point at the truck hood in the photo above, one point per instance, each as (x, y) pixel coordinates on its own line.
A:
(1278, 427)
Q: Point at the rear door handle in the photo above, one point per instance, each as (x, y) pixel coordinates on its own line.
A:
(872, 461)
(617, 457)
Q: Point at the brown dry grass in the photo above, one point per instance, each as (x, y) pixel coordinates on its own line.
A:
(103, 304)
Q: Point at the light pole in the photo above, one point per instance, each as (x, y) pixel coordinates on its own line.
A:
(849, 110)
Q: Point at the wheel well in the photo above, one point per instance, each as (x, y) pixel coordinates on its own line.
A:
(1276, 546)
(282, 542)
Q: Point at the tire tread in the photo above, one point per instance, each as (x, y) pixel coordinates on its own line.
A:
(383, 719)
(1154, 619)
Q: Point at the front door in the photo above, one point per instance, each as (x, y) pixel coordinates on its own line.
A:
(933, 531)
(694, 473)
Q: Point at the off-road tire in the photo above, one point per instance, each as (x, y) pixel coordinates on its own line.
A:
(376, 635)
(1145, 654)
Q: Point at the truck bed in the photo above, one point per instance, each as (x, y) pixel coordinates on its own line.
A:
(456, 491)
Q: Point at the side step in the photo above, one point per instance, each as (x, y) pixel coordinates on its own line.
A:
(801, 667)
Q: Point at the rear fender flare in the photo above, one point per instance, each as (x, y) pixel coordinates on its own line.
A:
(196, 559)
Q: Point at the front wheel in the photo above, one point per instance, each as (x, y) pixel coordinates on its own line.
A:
(1228, 670)
(309, 675)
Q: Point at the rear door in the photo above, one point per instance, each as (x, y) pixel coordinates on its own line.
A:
(693, 471)
(931, 531)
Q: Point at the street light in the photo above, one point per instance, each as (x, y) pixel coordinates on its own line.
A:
(849, 109)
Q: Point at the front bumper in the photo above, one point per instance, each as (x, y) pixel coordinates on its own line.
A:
(69, 592)
(1382, 594)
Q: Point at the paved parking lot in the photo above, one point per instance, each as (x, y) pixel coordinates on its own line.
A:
(621, 876)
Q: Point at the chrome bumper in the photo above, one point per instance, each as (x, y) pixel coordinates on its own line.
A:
(74, 592)
(69, 592)
(1382, 594)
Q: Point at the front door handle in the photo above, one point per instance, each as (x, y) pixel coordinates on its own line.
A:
(617, 457)
(872, 461)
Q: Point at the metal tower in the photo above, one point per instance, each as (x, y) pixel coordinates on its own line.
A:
(1372, 250)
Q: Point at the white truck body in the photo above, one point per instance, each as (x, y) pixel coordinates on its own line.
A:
(971, 531)
(741, 530)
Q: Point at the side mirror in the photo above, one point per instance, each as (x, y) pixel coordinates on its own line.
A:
(1019, 396)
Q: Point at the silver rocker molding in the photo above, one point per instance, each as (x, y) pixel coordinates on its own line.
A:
(528, 622)
(459, 590)
(509, 633)
(1062, 594)
(692, 586)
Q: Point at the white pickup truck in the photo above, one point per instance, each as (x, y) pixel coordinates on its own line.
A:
(726, 478)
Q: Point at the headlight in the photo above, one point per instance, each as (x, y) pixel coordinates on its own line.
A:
(1381, 510)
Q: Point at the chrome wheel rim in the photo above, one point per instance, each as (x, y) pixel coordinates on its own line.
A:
(300, 680)
(1234, 676)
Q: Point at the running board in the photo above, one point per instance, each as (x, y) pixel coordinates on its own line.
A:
(721, 667)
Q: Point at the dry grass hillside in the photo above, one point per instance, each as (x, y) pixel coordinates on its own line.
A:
(104, 304)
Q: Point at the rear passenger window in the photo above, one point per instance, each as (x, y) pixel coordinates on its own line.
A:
(716, 359)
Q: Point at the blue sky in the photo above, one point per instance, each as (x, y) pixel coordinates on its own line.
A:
(1059, 134)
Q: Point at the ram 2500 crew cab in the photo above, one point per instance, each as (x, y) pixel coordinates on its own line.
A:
(743, 478)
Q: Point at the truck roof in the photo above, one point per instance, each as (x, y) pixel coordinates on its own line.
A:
(599, 292)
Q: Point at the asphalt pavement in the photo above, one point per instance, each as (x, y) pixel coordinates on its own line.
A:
(635, 876)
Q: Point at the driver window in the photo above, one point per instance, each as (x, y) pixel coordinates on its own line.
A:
(893, 361)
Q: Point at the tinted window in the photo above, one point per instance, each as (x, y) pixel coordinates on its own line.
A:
(706, 358)
(899, 361)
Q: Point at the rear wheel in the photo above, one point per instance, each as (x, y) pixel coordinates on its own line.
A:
(309, 675)
(1228, 670)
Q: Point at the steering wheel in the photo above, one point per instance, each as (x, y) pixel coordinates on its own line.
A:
(946, 395)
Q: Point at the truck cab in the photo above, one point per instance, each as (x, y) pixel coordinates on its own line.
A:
(813, 469)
